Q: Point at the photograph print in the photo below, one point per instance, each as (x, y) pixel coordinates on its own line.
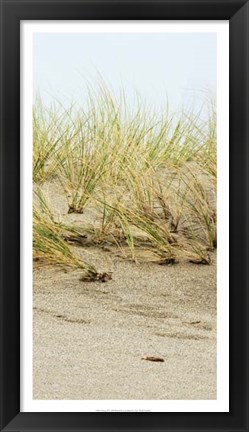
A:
(124, 150)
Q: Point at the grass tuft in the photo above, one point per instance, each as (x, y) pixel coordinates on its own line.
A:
(149, 179)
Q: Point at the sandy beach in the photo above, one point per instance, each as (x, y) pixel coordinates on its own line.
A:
(90, 337)
(125, 221)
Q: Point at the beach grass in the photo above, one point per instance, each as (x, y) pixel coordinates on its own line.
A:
(149, 178)
(49, 240)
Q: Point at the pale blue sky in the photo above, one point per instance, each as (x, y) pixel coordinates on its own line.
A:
(180, 66)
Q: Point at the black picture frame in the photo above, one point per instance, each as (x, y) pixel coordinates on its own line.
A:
(11, 13)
